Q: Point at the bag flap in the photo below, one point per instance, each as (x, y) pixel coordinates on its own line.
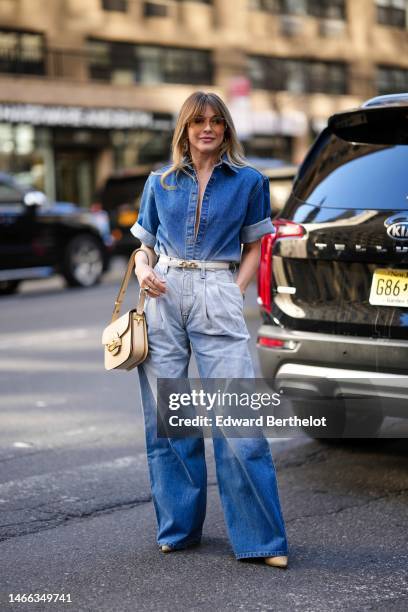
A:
(117, 327)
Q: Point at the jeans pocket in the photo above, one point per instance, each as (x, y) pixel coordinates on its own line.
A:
(154, 308)
(226, 305)
(154, 313)
(238, 292)
(230, 290)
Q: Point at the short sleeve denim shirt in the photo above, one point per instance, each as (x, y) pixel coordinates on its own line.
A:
(235, 210)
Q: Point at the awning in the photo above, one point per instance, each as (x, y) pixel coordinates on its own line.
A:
(84, 117)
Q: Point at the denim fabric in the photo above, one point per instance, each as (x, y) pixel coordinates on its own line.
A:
(202, 311)
(235, 209)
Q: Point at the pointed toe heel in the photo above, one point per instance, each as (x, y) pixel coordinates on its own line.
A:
(281, 562)
(165, 549)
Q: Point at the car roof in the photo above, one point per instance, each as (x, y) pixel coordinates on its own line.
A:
(373, 104)
(398, 99)
(389, 104)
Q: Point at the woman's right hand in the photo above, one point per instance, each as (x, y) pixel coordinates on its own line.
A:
(147, 277)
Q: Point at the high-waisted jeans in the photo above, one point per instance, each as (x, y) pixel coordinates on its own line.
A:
(202, 310)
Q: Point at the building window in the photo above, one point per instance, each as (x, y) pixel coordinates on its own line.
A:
(22, 52)
(391, 79)
(115, 5)
(392, 12)
(22, 152)
(325, 9)
(99, 60)
(287, 7)
(152, 9)
(126, 63)
(298, 76)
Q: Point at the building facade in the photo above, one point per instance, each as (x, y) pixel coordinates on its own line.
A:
(87, 88)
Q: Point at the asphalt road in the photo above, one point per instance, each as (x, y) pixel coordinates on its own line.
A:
(75, 510)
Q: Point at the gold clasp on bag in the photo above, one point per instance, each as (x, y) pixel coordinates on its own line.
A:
(115, 344)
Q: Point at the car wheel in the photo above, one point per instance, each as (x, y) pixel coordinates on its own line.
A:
(9, 287)
(83, 262)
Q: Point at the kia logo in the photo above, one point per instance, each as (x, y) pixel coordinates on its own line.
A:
(398, 231)
(397, 226)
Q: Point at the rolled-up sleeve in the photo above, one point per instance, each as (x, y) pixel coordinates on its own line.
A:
(147, 222)
(257, 221)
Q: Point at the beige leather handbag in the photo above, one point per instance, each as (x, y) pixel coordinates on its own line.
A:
(125, 338)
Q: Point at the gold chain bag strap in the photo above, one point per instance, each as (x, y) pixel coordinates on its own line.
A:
(125, 338)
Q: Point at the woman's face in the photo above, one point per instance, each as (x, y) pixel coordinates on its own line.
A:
(206, 132)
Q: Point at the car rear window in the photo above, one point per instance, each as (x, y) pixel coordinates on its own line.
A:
(343, 174)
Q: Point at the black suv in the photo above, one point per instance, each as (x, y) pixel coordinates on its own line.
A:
(39, 238)
(333, 279)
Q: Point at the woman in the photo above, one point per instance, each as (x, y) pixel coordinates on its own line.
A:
(196, 213)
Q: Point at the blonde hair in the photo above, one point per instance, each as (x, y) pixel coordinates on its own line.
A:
(193, 106)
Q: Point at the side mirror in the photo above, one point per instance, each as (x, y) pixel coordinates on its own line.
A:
(35, 198)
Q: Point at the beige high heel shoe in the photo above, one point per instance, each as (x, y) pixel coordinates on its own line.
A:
(166, 549)
(277, 561)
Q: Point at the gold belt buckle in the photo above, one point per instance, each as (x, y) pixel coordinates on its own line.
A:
(188, 264)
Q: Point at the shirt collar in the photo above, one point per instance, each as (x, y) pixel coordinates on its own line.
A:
(223, 160)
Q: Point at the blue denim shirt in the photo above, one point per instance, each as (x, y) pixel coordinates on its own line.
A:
(235, 209)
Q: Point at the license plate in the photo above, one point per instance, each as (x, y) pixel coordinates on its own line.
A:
(389, 288)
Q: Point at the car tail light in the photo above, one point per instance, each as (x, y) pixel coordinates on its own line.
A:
(290, 345)
(271, 342)
(265, 272)
(283, 229)
(288, 229)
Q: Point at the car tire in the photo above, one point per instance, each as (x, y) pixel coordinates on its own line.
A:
(9, 287)
(83, 262)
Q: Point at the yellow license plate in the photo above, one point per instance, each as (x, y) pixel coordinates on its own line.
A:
(389, 288)
(127, 217)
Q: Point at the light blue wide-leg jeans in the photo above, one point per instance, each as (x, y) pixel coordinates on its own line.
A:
(202, 311)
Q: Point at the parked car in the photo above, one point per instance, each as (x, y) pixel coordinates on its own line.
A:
(120, 198)
(333, 277)
(39, 238)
